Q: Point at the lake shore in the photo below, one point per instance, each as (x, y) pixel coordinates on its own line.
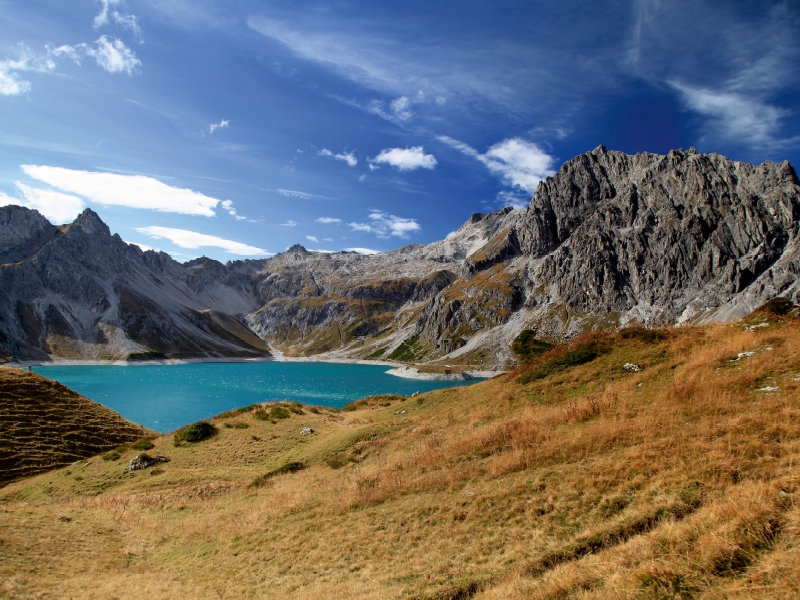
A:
(397, 369)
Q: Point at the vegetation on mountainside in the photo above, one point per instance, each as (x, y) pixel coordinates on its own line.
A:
(526, 346)
(44, 425)
(592, 481)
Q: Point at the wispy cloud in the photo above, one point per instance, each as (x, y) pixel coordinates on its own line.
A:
(214, 126)
(289, 223)
(384, 225)
(714, 57)
(11, 84)
(57, 207)
(349, 158)
(312, 238)
(106, 15)
(301, 195)
(362, 250)
(134, 191)
(406, 159)
(735, 117)
(519, 163)
(194, 240)
(110, 53)
(328, 220)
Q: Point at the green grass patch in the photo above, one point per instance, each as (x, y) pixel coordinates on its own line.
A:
(377, 354)
(142, 444)
(261, 415)
(410, 350)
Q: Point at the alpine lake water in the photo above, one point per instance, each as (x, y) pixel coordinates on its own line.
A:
(166, 397)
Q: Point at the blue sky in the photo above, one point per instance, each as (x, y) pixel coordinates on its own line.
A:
(236, 129)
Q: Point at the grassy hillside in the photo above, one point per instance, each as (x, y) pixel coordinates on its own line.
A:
(44, 425)
(569, 478)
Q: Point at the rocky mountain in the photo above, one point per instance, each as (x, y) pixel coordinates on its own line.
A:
(609, 239)
(78, 292)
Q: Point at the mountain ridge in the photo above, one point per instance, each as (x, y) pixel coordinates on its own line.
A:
(609, 239)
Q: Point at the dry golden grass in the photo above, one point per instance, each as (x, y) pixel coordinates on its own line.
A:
(44, 425)
(676, 481)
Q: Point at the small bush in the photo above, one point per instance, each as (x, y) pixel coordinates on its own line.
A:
(296, 408)
(336, 463)
(261, 415)
(526, 347)
(643, 334)
(290, 467)
(581, 351)
(278, 412)
(236, 425)
(777, 307)
(196, 432)
(113, 455)
(143, 444)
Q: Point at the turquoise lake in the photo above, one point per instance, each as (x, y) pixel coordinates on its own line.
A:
(166, 397)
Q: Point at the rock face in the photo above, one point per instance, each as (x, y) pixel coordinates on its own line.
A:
(664, 238)
(79, 292)
(610, 238)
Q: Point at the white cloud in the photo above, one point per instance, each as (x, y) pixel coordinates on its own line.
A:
(110, 53)
(328, 220)
(735, 116)
(57, 207)
(521, 164)
(362, 250)
(327, 239)
(144, 247)
(10, 82)
(349, 158)
(214, 126)
(228, 205)
(134, 191)
(406, 159)
(114, 56)
(383, 225)
(289, 223)
(507, 198)
(102, 17)
(301, 195)
(312, 238)
(373, 167)
(193, 240)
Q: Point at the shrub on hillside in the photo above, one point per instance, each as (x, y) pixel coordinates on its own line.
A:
(777, 307)
(290, 467)
(637, 332)
(196, 432)
(526, 347)
(581, 351)
(143, 444)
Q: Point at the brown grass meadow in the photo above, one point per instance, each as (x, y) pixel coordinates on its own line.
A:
(677, 481)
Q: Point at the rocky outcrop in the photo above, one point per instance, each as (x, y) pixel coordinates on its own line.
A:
(660, 238)
(610, 238)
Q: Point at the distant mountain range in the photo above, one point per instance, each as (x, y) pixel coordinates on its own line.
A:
(611, 238)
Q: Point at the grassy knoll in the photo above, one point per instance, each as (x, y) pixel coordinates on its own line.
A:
(585, 481)
(44, 424)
